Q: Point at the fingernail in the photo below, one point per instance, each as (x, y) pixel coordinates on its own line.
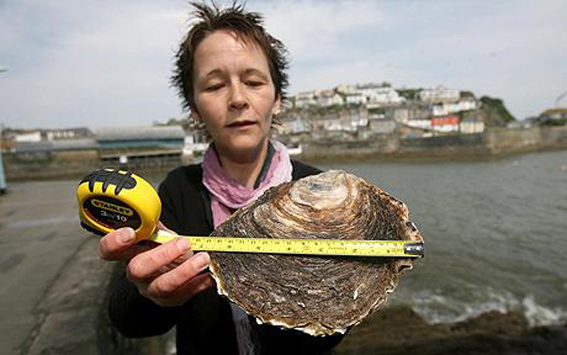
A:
(201, 260)
(127, 235)
(182, 244)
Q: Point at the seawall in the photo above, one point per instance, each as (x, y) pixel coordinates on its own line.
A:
(493, 142)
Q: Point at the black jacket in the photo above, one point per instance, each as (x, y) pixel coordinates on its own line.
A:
(204, 323)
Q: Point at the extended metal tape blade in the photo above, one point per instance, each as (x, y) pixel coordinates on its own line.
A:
(334, 247)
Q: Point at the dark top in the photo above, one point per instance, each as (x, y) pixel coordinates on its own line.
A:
(204, 323)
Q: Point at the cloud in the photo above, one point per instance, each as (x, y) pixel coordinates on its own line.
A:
(509, 49)
(99, 63)
(112, 66)
(314, 30)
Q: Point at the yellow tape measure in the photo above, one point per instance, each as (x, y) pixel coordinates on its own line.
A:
(111, 199)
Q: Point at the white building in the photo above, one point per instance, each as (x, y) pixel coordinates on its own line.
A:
(384, 96)
(449, 108)
(346, 89)
(439, 94)
(294, 125)
(355, 98)
(379, 94)
(382, 126)
(28, 137)
(405, 113)
(60, 134)
(329, 98)
(470, 126)
(305, 99)
(419, 123)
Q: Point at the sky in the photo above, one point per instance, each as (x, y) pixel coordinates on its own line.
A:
(100, 63)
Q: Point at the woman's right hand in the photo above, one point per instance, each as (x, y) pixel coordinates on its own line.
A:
(169, 274)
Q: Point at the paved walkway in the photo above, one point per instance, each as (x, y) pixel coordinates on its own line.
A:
(51, 281)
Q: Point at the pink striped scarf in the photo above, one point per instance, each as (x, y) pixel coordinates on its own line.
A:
(227, 194)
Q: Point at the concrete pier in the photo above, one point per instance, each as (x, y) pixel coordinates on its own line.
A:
(52, 283)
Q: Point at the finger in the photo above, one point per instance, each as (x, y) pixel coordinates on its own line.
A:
(168, 283)
(186, 291)
(136, 249)
(197, 284)
(146, 265)
(112, 245)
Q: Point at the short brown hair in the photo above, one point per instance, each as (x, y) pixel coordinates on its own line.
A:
(246, 25)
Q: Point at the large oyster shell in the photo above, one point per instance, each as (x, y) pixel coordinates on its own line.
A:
(314, 294)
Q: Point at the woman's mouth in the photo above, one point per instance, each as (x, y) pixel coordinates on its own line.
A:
(241, 124)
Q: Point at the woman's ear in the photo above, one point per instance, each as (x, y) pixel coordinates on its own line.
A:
(277, 106)
(195, 115)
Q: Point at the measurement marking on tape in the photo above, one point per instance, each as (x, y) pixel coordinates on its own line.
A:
(336, 247)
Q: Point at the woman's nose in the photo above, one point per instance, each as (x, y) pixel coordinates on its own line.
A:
(237, 99)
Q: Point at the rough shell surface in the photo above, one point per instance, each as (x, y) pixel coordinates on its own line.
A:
(314, 294)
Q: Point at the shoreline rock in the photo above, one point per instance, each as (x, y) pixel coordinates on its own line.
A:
(400, 330)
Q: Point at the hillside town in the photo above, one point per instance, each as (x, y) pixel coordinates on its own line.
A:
(350, 120)
(360, 111)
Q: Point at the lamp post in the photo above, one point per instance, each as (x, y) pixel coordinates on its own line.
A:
(2, 176)
(559, 98)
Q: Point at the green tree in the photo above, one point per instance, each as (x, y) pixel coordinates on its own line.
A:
(496, 112)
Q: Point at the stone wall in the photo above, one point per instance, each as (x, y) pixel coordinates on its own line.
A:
(502, 140)
(494, 141)
(466, 144)
(336, 149)
(553, 137)
(77, 166)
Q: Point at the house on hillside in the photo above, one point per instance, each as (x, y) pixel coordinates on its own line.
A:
(445, 124)
(355, 98)
(326, 98)
(419, 122)
(384, 96)
(471, 125)
(554, 115)
(408, 112)
(451, 107)
(439, 94)
(294, 125)
(381, 126)
(304, 99)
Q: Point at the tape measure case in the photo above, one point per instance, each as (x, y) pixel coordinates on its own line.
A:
(111, 199)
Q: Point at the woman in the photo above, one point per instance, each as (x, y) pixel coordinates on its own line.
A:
(230, 74)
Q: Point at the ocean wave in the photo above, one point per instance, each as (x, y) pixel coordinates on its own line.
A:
(437, 308)
(538, 315)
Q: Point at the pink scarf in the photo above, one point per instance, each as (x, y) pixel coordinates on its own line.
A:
(227, 194)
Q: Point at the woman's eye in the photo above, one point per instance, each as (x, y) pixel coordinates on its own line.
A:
(254, 83)
(214, 87)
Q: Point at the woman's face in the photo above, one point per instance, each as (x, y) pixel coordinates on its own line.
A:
(234, 94)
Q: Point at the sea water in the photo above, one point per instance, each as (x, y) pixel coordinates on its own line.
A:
(495, 234)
